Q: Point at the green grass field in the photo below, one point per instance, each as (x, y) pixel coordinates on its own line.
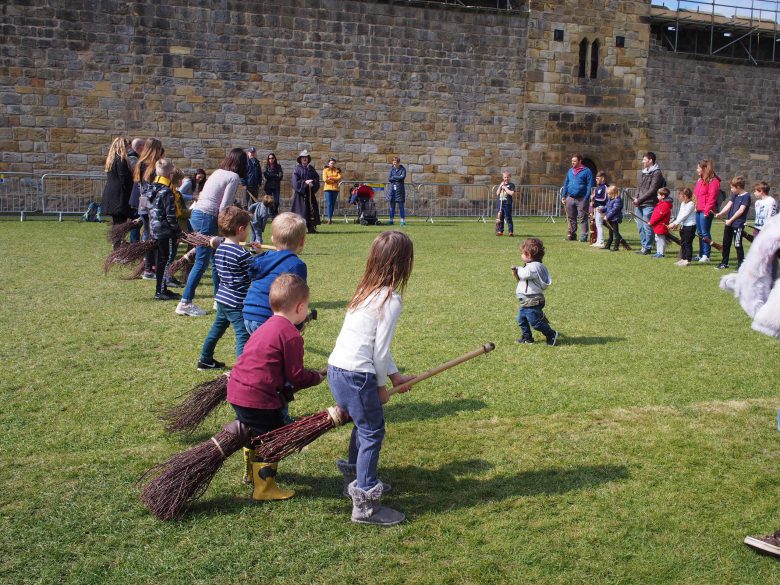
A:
(641, 450)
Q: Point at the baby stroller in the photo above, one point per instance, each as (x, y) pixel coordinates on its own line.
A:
(362, 196)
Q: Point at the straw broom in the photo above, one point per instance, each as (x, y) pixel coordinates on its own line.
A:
(175, 484)
(203, 399)
(117, 232)
(278, 444)
(611, 228)
(128, 254)
(185, 262)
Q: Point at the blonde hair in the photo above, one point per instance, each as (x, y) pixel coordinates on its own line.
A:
(118, 148)
(163, 167)
(288, 230)
(286, 291)
(389, 264)
(613, 191)
(153, 151)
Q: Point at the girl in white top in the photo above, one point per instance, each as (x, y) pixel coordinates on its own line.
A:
(360, 365)
(686, 223)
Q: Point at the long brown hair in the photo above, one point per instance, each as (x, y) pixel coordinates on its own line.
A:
(708, 168)
(118, 148)
(235, 161)
(389, 264)
(153, 151)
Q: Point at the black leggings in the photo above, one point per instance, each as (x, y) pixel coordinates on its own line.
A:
(731, 233)
(259, 420)
(687, 234)
(165, 252)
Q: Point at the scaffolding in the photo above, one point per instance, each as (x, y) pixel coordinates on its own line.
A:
(745, 31)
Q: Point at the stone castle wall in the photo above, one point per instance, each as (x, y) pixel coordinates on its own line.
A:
(709, 109)
(458, 94)
(358, 80)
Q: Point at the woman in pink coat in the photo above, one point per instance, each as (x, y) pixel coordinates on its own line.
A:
(706, 194)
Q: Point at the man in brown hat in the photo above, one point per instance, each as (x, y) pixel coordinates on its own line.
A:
(305, 184)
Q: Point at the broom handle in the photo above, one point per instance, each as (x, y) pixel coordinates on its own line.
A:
(487, 347)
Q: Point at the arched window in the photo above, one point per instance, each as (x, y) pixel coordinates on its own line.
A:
(594, 59)
(583, 57)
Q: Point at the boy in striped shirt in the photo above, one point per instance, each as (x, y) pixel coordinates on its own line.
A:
(231, 262)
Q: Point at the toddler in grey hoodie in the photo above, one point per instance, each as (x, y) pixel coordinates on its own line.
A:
(532, 280)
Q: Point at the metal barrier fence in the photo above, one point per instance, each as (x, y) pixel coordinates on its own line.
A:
(534, 201)
(70, 193)
(19, 193)
(452, 200)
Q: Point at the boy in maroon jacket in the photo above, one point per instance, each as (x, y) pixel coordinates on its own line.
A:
(272, 363)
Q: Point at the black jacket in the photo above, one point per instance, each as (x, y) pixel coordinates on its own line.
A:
(119, 184)
(649, 183)
(162, 211)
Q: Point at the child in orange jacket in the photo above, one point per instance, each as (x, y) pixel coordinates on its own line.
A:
(659, 221)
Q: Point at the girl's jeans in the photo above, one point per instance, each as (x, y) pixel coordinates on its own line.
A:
(205, 224)
(226, 316)
(703, 226)
(356, 392)
(331, 201)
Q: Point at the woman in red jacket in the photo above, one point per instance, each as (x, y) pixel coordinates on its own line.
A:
(706, 194)
(659, 221)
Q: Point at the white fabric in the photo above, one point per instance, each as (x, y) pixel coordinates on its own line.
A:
(363, 345)
(757, 284)
(686, 216)
(766, 207)
(218, 192)
(660, 244)
(599, 219)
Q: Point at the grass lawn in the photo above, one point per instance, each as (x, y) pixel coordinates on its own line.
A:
(642, 450)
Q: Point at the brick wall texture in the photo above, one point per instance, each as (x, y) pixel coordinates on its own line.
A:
(459, 94)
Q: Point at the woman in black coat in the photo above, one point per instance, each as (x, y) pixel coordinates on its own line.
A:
(119, 182)
(305, 184)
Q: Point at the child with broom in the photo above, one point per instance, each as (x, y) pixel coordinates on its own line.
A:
(163, 225)
(272, 361)
(359, 366)
(231, 262)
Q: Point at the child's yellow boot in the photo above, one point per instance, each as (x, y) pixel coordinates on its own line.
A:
(263, 474)
(249, 459)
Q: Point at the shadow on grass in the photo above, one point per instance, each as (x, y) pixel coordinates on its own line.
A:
(418, 490)
(567, 340)
(405, 412)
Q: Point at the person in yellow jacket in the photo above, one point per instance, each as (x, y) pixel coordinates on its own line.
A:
(332, 177)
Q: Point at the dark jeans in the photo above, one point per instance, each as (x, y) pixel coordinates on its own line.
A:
(274, 192)
(259, 420)
(687, 233)
(614, 234)
(506, 215)
(356, 392)
(226, 316)
(401, 210)
(248, 193)
(529, 317)
(135, 233)
(164, 252)
(574, 208)
(732, 234)
(149, 259)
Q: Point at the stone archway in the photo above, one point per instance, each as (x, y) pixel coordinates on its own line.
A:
(591, 164)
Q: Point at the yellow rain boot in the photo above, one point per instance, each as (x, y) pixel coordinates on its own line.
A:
(249, 458)
(265, 485)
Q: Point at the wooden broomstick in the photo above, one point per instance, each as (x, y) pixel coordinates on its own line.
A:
(500, 214)
(611, 228)
(204, 398)
(672, 238)
(175, 484)
(278, 444)
(747, 236)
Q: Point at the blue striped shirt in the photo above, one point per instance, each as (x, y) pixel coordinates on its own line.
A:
(232, 264)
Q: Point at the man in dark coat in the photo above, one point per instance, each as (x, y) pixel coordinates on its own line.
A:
(254, 177)
(646, 198)
(305, 184)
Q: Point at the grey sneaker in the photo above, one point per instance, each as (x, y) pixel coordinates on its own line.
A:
(189, 309)
(366, 508)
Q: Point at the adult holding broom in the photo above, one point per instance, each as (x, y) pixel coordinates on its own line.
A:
(218, 193)
(119, 183)
(305, 184)
(360, 365)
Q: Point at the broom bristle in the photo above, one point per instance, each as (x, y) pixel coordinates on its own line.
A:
(200, 401)
(185, 262)
(116, 234)
(128, 254)
(196, 239)
(278, 444)
(183, 478)
(139, 269)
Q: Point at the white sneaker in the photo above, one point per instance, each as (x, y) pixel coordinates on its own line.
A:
(704, 259)
(189, 309)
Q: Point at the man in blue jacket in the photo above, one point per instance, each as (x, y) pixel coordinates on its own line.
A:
(575, 196)
(254, 177)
